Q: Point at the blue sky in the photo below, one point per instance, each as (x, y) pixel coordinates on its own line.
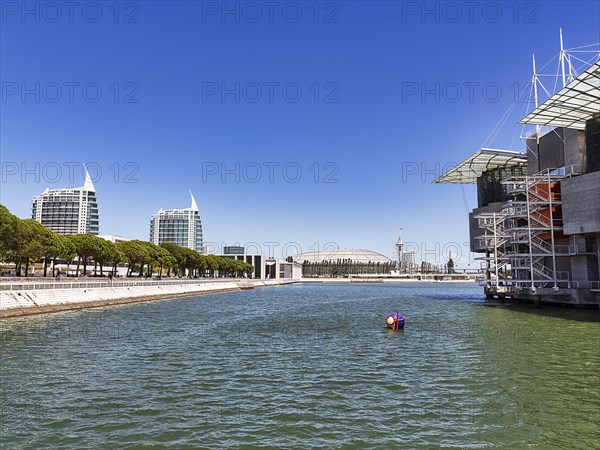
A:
(162, 97)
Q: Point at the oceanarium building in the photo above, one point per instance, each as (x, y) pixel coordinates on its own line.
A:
(179, 226)
(68, 211)
(537, 224)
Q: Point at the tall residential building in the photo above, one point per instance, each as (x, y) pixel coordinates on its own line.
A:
(179, 226)
(68, 211)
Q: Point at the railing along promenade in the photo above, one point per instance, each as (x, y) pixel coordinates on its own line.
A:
(77, 283)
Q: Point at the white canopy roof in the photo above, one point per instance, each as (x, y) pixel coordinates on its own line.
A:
(481, 161)
(573, 105)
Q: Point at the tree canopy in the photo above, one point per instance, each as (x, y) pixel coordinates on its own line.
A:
(25, 241)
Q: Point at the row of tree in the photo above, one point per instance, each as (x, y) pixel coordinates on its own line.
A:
(25, 241)
(344, 267)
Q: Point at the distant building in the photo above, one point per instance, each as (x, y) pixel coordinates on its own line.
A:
(179, 226)
(257, 260)
(234, 250)
(266, 268)
(113, 238)
(409, 261)
(68, 211)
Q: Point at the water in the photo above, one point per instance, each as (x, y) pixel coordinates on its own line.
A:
(303, 366)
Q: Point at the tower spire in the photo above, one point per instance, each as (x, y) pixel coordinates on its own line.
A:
(399, 242)
(88, 185)
(400, 250)
(194, 206)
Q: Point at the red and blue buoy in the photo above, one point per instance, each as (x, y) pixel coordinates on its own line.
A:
(395, 321)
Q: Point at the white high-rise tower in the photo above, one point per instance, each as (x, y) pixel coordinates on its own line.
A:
(179, 226)
(68, 211)
(406, 259)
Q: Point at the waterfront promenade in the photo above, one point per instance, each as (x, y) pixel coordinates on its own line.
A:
(19, 297)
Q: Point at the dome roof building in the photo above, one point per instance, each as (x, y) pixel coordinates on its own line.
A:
(343, 262)
(354, 255)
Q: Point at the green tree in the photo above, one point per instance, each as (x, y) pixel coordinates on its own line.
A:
(34, 239)
(116, 258)
(165, 259)
(22, 241)
(52, 248)
(212, 264)
(450, 266)
(157, 257)
(8, 235)
(67, 251)
(249, 269)
(104, 253)
(86, 247)
(177, 254)
(151, 259)
(202, 265)
(135, 254)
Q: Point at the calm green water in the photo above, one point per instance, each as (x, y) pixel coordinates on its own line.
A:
(303, 366)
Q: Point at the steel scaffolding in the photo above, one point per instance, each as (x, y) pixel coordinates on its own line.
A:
(520, 241)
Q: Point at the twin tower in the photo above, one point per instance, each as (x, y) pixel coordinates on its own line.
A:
(75, 211)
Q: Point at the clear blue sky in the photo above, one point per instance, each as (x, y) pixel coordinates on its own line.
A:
(162, 66)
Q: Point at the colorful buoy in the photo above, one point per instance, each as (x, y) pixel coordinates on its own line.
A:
(395, 321)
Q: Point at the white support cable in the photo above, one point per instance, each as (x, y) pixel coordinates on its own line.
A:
(490, 138)
(579, 59)
(464, 195)
(544, 88)
(583, 46)
(498, 127)
(550, 61)
(555, 78)
(556, 133)
(523, 114)
(572, 71)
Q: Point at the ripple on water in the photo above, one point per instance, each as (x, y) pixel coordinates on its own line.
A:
(308, 366)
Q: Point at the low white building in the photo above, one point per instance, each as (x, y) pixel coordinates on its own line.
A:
(266, 268)
(114, 238)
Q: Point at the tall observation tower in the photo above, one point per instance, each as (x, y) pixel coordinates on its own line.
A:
(406, 259)
(400, 248)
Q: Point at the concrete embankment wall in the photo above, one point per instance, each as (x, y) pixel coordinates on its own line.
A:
(36, 301)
